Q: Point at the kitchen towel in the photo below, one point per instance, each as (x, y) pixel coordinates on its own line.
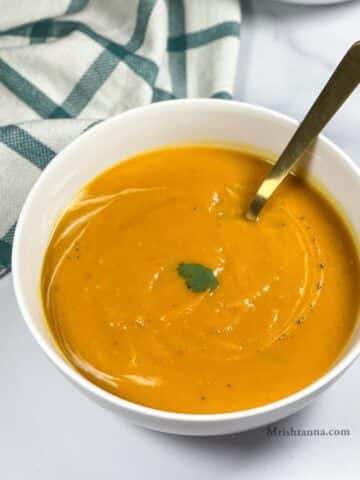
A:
(66, 65)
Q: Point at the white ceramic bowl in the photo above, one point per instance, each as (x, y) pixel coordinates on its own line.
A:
(174, 122)
(314, 2)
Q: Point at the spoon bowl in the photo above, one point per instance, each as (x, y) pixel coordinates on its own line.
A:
(341, 84)
(175, 122)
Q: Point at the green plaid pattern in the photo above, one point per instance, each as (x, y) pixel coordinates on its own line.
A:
(66, 65)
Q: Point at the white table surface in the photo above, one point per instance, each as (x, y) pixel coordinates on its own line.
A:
(49, 431)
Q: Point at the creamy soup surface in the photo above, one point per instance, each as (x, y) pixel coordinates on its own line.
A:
(280, 303)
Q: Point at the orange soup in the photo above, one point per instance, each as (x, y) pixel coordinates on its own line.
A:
(158, 290)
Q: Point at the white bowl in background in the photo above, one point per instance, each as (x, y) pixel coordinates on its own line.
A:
(138, 130)
(314, 2)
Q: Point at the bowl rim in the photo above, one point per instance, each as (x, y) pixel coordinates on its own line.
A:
(74, 375)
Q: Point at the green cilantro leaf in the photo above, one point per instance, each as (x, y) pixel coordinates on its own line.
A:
(197, 277)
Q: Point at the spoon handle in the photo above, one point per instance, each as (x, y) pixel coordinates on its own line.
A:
(341, 84)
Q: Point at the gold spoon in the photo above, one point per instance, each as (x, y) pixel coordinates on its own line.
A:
(339, 87)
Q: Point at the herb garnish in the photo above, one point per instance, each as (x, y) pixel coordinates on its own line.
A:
(197, 277)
